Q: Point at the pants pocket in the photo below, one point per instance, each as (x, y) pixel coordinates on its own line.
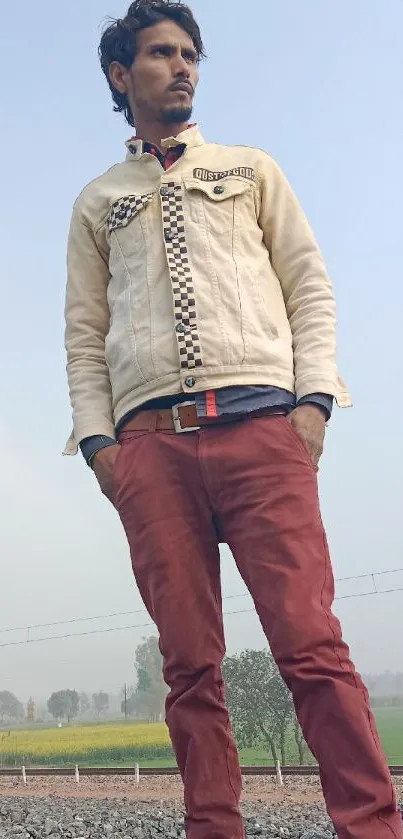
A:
(125, 456)
(298, 442)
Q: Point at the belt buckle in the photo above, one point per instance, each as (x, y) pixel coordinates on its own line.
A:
(177, 420)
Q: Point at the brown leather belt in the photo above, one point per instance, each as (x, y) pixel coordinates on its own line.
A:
(183, 417)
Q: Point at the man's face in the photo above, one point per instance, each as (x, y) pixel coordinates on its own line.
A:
(161, 83)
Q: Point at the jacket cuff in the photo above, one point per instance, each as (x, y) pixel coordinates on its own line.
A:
(91, 445)
(323, 400)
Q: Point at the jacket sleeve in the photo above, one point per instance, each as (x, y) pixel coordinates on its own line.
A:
(306, 287)
(87, 324)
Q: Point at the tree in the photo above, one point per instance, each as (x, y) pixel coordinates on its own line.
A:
(259, 702)
(148, 699)
(10, 707)
(64, 704)
(301, 744)
(30, 710)
(100, 702)
(85, 704)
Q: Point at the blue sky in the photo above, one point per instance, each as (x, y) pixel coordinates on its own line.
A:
(319, 86)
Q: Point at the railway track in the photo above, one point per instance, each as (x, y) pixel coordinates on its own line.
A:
(298, 771)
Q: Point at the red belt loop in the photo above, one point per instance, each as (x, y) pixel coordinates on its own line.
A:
(153, 418)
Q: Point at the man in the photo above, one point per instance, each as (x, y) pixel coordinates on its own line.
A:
(201, 362)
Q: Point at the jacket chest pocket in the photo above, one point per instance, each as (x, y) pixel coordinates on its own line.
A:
(222, 205)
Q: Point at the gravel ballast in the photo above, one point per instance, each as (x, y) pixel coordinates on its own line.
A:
(116, 808)
(55, 818)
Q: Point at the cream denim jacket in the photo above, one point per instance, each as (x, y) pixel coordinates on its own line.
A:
(203, 276)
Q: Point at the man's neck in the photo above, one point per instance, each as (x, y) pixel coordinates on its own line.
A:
(154, 133)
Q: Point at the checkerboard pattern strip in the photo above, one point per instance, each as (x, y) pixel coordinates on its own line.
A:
(123, 210)
(181, 277)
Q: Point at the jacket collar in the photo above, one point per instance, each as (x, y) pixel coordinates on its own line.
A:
(190, 138)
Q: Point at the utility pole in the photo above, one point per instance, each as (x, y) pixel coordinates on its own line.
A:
(125, 700)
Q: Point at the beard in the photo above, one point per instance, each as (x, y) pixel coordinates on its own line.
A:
(176, 115)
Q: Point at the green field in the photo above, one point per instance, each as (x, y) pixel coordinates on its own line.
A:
(124, 744)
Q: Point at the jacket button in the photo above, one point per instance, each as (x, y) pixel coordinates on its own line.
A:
(169, 236)
(190, 381)
(181, 328)
(122, 214)
(164, 190)
(219, 190)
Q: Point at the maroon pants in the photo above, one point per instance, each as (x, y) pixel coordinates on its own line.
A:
(250, 484)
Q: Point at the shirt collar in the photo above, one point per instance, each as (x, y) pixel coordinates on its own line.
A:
(191, 137)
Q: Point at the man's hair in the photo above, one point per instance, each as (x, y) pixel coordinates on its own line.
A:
(118, 42)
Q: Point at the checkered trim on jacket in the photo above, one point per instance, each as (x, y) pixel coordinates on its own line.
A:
(181, 276)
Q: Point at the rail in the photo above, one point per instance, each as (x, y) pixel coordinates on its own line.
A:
(89, 771)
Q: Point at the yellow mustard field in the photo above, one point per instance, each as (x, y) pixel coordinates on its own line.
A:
(85, 744)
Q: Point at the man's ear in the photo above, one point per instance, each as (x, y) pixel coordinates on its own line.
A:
(118, 76)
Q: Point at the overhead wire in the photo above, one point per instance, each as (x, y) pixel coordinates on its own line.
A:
(109, 616)
(111, 629)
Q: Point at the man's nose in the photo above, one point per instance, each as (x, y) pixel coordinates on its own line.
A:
(181, 67)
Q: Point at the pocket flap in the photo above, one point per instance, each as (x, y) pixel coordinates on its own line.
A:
(126, 208)
(219, 190)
